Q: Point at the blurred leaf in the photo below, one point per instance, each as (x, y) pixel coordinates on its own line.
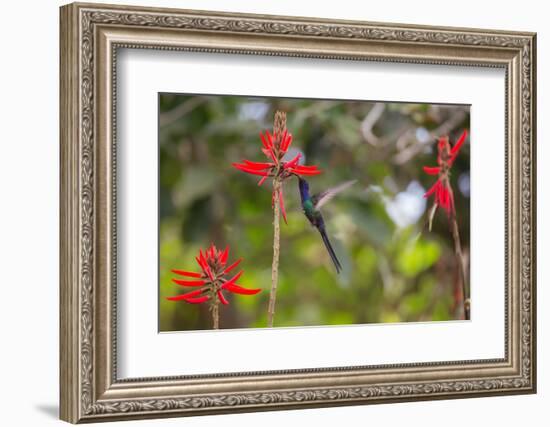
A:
(196, 182)
(417, 256)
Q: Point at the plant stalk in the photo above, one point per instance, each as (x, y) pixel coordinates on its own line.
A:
(461, 268)
(215, 315)
(275, 265)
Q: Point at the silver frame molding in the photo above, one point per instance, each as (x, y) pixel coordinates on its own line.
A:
(90, 37)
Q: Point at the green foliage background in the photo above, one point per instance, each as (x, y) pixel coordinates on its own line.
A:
(395, 270)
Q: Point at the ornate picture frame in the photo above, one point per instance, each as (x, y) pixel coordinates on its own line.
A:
(90, 37)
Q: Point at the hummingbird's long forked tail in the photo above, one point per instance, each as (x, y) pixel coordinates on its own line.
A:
(326, 241)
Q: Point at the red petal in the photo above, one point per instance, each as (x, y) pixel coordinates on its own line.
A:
(432, 189)
(192, 294)
(258, 165)
(261, 181)
(443, 196)
(189, 297)
(240, 290)
(287, 140)
(302, 171)
(187, 273)
(204, 264)
(233, 279)
(459, 143)
(267, 144)
(447, 199)
(197, 300)
(204, 258)
(224, 255)
(269, 138)
(201, 261)
(456, 148)
(439, 197)
(250, 170)
(431, 170)
(282, 204)
(306, 167)
(292, 163)
(189, 282)
(222, 298)
(269, 153)
(232, 266)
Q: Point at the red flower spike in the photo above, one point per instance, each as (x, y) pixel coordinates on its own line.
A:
(213, 262)
(442, 189)
(189, 282)
(275, 146)
(187, 273)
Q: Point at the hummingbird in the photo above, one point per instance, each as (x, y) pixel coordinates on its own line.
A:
(311, 205)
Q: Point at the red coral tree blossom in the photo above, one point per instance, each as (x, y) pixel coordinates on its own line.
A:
(212, 281)
(442, 189)
(444, 197)
(275, 148)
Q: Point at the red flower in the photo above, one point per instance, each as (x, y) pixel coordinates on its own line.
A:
(442, 188)
(212, 281)
(275, 147)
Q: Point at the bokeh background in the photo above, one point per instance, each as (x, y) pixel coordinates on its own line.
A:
(395, 270)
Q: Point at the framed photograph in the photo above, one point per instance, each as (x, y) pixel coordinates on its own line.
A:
(266, 212)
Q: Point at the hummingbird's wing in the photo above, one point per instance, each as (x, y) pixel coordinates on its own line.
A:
(322, 198)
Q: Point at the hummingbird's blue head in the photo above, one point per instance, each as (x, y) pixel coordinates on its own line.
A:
(304, 188)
